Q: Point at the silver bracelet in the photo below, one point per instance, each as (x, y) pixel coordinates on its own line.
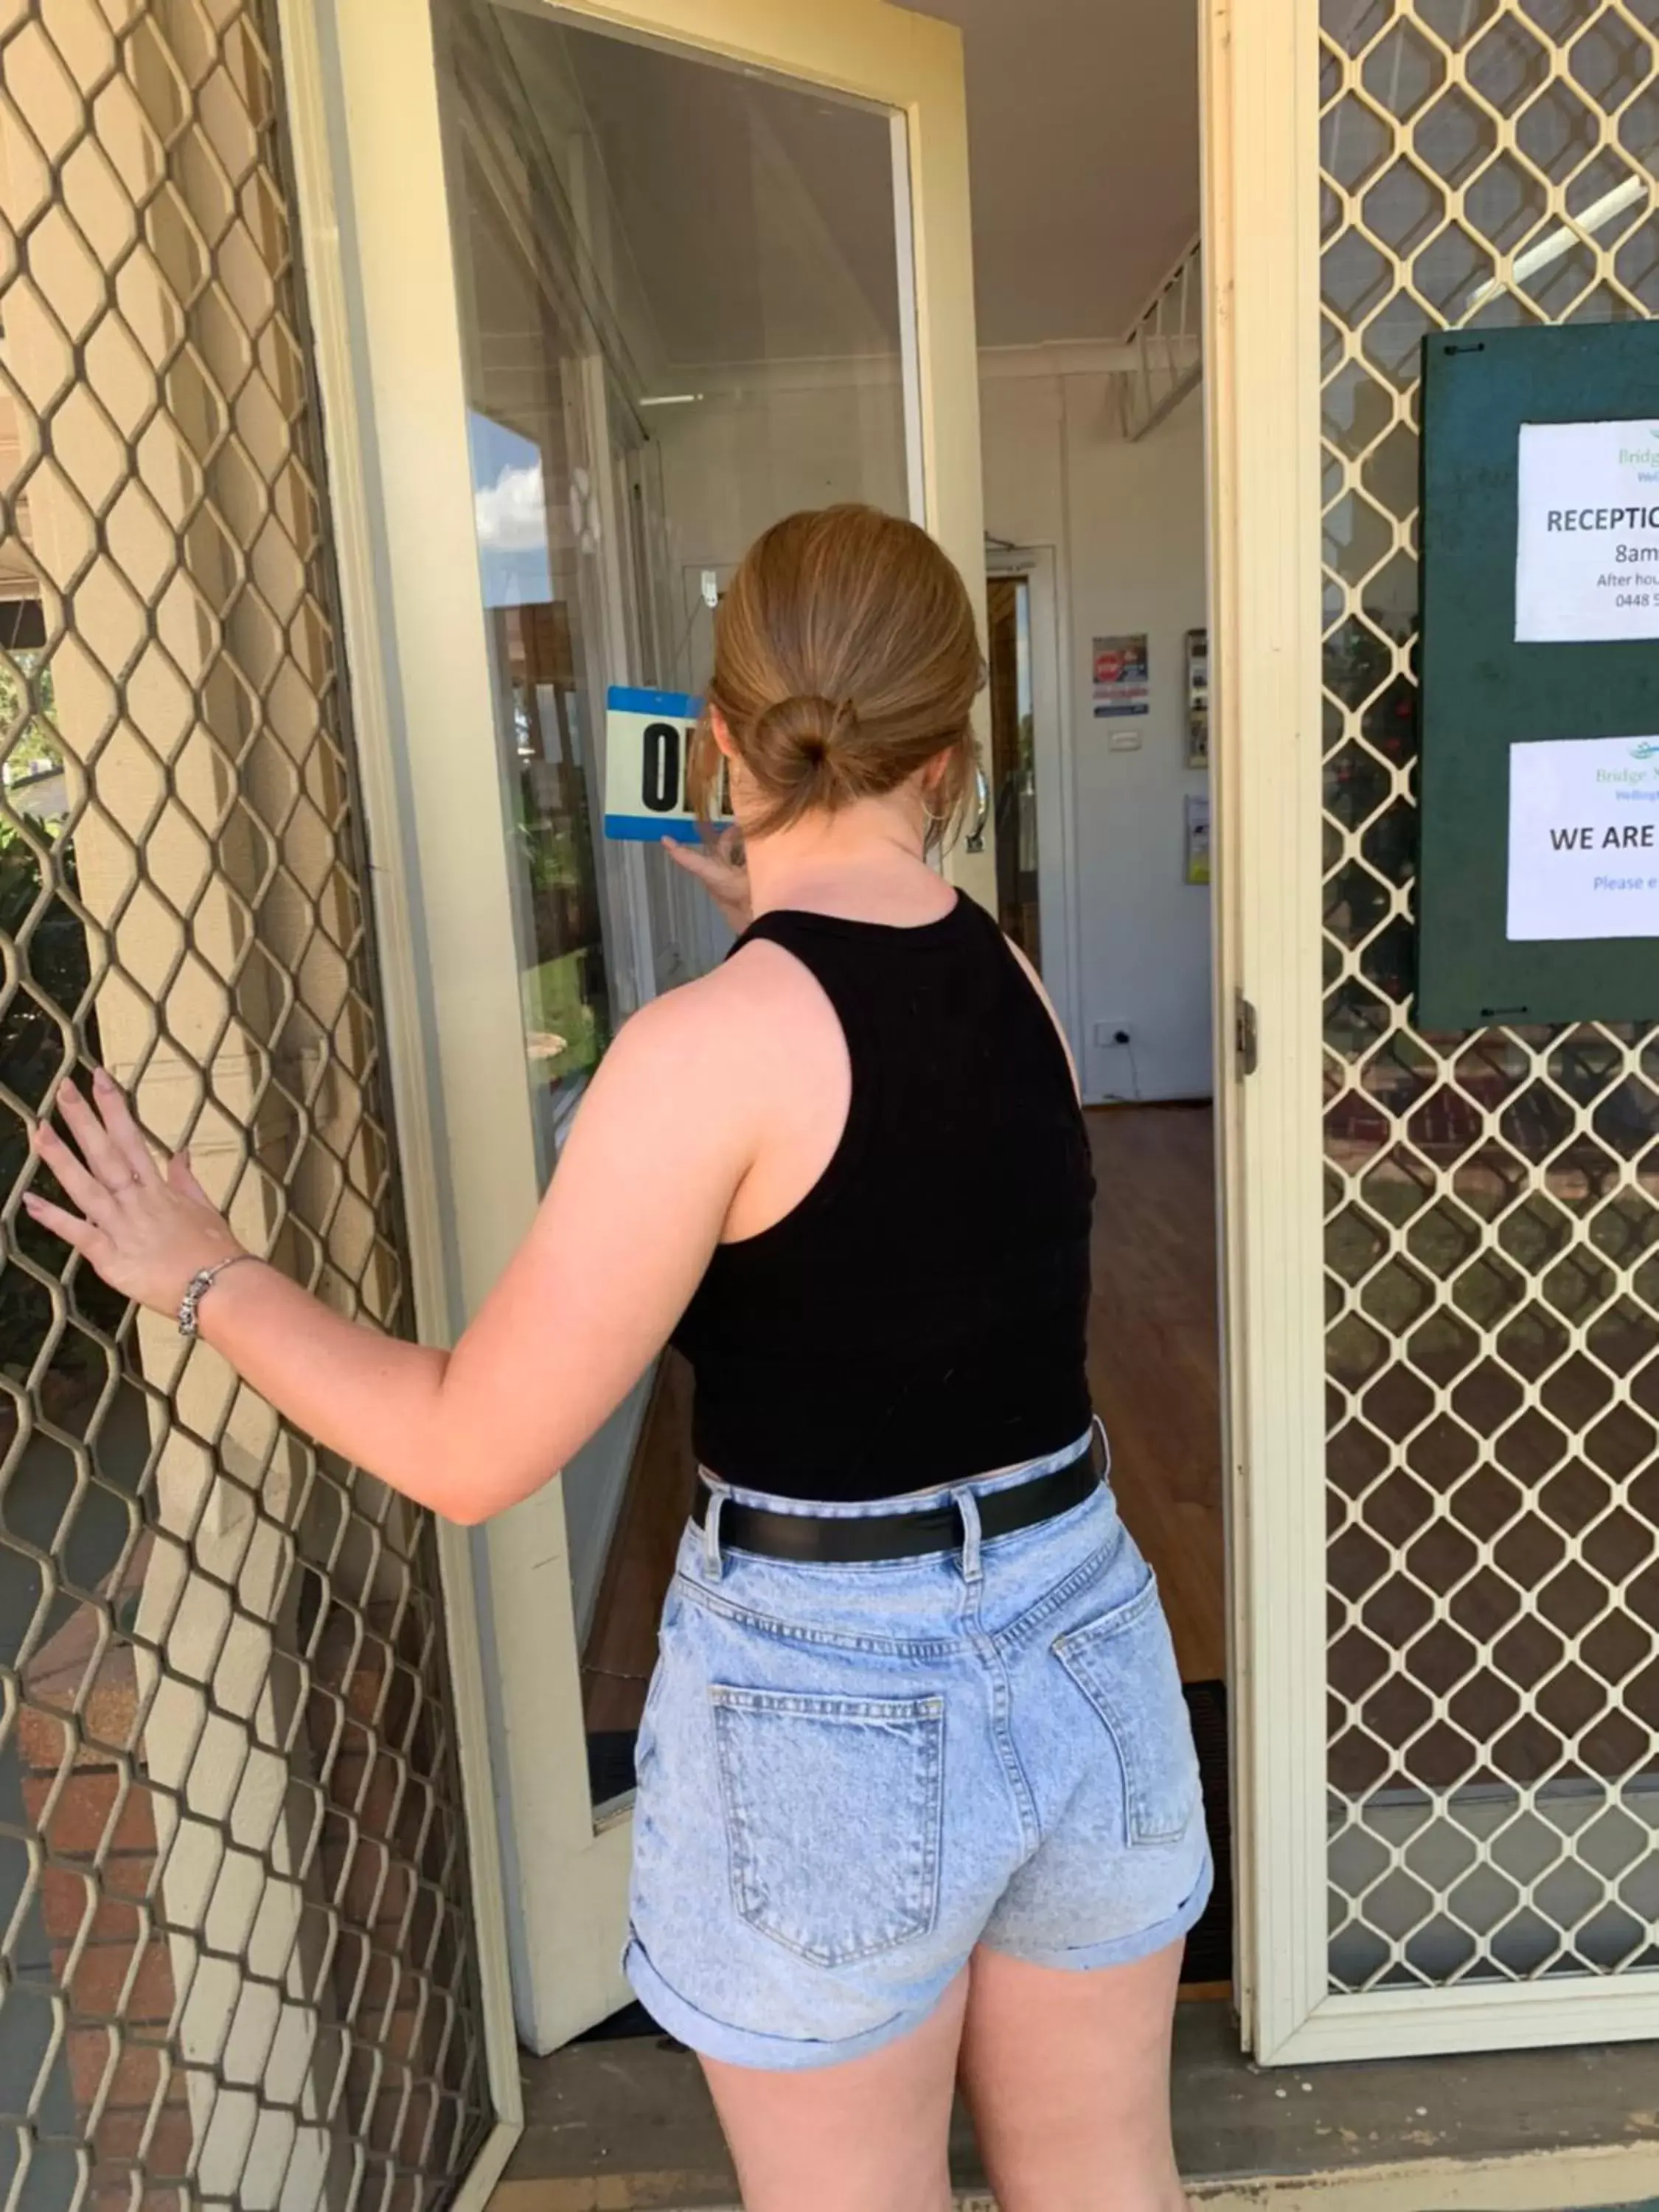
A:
(197, 1287)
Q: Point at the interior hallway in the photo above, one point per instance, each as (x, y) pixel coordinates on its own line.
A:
(1153, 1366)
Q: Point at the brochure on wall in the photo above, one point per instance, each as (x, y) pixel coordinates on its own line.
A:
(1198, 698)
(647, 750)
(1122, 685)
(1587, 537)
(1198, 838)
(1584, 838)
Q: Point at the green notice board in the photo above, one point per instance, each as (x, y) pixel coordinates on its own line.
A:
(1538, 884)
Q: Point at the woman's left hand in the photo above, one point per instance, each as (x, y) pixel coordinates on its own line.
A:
(723, 872)
(145, 1233)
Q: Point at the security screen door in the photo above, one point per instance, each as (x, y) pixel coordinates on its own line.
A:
(620, 286)
(1443, 1272)
(244, 1956)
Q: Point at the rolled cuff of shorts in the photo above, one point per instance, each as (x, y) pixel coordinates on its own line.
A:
(742, 2047)
(1122, 1950)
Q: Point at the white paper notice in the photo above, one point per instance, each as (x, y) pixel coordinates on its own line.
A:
(1587, 542)
(1584, 838)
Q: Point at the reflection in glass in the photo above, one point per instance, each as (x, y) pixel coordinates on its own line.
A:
(565, 1001)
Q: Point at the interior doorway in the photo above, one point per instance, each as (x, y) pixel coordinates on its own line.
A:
(1013, 763)
(1028, 731)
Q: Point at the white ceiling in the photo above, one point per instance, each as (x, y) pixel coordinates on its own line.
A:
(1083, 143)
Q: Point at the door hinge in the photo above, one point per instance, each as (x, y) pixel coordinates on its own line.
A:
(1244, 1039)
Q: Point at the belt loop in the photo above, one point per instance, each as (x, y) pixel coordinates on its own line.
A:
(1105, 1449)
(973, 1567)
(713, 1563)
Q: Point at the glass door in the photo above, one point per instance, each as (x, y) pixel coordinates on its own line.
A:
(624, 295)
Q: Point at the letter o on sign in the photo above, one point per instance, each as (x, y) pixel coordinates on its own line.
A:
(659, 765)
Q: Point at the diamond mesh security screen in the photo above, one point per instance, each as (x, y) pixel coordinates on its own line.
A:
(235, 1911)
(1493, 1267)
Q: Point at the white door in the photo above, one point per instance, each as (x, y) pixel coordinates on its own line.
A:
(617, 286)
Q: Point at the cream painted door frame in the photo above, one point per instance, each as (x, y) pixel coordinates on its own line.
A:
(368, 131)
(1259, 94)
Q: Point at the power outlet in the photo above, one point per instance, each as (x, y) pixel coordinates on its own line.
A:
(1108, 1034)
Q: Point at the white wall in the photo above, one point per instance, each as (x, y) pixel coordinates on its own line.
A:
(1127, 523)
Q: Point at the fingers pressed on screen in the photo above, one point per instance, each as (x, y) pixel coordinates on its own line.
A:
(124, 1132)
(98, 1148)
(69, 1226)
(83, 1187)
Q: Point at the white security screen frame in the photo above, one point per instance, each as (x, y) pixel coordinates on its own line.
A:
(1260, 107)
(368, 138)
(1260, 143)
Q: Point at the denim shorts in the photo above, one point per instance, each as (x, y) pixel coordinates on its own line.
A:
(850, 1775)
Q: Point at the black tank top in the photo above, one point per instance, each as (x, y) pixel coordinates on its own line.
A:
(922, 1314)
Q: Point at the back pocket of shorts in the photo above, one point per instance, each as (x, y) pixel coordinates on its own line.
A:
(1125, 1665)
(833, 1810)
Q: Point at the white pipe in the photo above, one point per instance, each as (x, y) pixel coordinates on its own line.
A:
(1560, 242)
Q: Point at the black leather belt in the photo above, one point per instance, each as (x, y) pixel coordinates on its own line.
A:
(825, 1538)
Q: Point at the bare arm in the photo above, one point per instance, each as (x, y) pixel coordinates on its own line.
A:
(658, 1148)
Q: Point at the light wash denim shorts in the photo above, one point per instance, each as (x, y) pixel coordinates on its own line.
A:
(850, 1775)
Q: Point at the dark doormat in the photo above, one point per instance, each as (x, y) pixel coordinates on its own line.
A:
(611, 1762)
(1209, 1947)
(611, 1774)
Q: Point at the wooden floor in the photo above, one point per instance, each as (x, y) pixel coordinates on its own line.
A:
(1153, 1366)
(1154, 1357)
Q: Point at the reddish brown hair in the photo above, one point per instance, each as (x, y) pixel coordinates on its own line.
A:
(845, 660)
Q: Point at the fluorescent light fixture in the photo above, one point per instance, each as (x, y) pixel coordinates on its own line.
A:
(1560, 241)
(672, 399)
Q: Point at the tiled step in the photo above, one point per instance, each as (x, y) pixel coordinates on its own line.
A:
(627, 2127)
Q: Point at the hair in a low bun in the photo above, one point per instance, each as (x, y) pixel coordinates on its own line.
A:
(846, 659)
(801, 739)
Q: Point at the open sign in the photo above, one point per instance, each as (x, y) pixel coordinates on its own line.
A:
(647, 758)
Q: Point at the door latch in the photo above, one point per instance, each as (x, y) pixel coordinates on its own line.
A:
(1244, 1038)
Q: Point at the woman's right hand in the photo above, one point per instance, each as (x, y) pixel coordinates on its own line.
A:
(720, 870)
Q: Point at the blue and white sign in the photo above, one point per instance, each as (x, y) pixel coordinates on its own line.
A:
(647, 752)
